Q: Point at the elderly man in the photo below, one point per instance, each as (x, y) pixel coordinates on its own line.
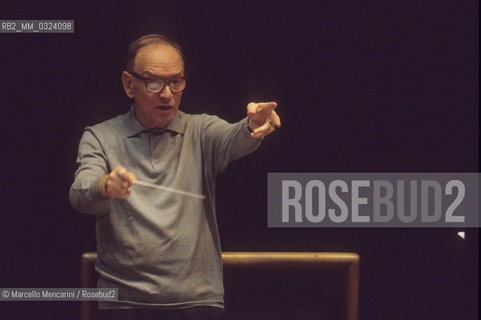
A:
(161, 248)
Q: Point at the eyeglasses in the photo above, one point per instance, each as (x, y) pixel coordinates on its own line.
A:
(156, 85)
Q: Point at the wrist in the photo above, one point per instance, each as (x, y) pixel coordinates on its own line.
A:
(102, 187)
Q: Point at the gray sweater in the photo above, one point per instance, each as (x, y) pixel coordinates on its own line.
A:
(161, 249)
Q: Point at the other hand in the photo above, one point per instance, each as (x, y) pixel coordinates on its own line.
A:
(262, 118)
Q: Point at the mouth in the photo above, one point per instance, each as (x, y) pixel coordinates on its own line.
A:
(164, 108)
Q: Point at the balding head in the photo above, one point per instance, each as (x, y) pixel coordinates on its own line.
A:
(147, 40)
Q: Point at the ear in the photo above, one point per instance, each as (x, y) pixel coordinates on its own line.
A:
(128, 82)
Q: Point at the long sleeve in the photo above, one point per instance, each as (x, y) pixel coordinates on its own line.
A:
(92, 165)
(226, 142)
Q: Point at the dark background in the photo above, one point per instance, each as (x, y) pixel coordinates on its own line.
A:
(371, 86)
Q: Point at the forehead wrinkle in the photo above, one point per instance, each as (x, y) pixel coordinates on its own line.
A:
(156, 76)
(159, 59)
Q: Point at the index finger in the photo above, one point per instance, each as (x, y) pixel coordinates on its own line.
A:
(255, 107)
(271, 104)
(266, 105)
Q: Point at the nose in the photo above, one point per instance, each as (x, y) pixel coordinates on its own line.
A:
(166, 93)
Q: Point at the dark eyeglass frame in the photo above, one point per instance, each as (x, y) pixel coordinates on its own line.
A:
(166, 82)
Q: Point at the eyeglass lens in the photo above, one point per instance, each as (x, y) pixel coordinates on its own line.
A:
(156, 85)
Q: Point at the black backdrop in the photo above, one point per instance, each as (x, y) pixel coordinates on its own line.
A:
(373, 86)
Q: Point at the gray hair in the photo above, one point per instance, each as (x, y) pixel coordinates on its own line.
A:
(147, 40)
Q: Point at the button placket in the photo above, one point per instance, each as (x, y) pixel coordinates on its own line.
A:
(154, 147)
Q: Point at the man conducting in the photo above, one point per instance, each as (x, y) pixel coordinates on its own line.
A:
(160, 248)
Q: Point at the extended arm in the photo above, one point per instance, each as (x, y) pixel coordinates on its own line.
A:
(223, 142)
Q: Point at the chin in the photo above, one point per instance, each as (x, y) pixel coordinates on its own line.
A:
(163, 122)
